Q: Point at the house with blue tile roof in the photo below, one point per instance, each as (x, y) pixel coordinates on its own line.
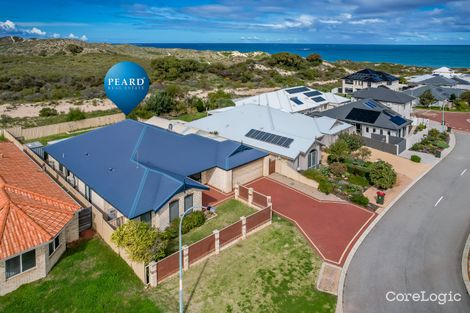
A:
(133, 170)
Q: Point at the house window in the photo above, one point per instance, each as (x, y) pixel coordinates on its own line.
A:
(54, 245)
(373, 130)
(381, 131)
(389, 83)
(20, 263)
(369, 84)
(87, 193)
(188, 202)
(388, 133)
(367, 129)
(174, 210)
(146, 218)
(312, 159)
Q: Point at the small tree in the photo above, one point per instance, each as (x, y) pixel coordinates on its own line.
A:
(363, 153)
(382, 175)
(354, 141)
(465, 96)
(142, 242)
(426, 98)
(314, 59)
(338, 151)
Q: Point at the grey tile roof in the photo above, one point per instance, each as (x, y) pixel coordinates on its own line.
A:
(367, 112)
(439, 81)
(383, 94)
(440, 93)
(368, 75)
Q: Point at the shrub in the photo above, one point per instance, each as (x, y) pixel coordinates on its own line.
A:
(190, 221)
(338, 151)
(325, 186)
(415, 158)
(142, 242)
(73, 48)
(382, 175)
(75, 114)
(360, 199)
(358, 180)
(314, 174)
(45, 112)
(358, 170)
(354, 141)
(338, 169)
(314, 59)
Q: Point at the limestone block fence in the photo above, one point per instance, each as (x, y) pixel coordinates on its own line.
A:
(219, 239)
(99, 219)
(60, 128)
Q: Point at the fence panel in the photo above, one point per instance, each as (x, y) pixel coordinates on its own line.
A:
(168, 266)
(230, 233)
(259, 199)
(243, 193)
(257, 219)
(201, 248)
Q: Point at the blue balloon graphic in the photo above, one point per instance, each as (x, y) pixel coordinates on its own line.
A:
(126, 84)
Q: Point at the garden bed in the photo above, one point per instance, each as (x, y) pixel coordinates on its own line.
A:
(433, 143)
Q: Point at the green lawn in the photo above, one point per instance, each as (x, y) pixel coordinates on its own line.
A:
(88, 278)
(228, 213)
(273, 270)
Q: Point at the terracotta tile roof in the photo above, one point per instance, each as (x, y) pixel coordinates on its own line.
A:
(33, 209)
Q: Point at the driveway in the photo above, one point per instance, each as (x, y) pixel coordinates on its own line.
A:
(331, 227)
(417, 246)
(457, 120)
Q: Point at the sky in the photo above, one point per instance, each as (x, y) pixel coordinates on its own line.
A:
(238, 21)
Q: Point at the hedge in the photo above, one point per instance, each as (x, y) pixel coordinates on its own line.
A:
(415, 158)
(360, 199)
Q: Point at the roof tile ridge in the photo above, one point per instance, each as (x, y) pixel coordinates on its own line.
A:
(38, 196)
(32, 220)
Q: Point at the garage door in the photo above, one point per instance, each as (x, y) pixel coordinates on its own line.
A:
(247, 173)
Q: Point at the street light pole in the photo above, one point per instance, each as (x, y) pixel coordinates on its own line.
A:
(443, 119)
(181, 254)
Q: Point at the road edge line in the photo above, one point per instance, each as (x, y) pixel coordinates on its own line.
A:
(339, 300)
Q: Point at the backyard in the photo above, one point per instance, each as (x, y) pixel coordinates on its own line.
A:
(274, 270)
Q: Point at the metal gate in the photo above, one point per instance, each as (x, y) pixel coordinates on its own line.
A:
(84, 219)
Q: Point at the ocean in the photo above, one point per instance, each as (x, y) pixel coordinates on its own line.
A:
(421, 55)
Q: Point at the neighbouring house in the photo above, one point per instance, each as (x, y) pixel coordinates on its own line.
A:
(37, 220)
(133, 170)
(454, 80)
(441, 94)
(444, 71)
(368, 78)
(399, 102)
(381, 127)
(438, 81)
(294, 137)
(300, 99)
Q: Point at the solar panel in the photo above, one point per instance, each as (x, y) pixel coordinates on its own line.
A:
(398, 120)
(269, 138)
(362, 115)
(312, 93)
(370, 104)
(318, 99)
(297, 90)
(296, 100)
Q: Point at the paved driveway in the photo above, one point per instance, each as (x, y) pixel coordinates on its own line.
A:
(417, 246)
(331, 227)
(457, 120)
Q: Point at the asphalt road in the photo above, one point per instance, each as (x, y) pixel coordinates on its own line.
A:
(417, 246)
